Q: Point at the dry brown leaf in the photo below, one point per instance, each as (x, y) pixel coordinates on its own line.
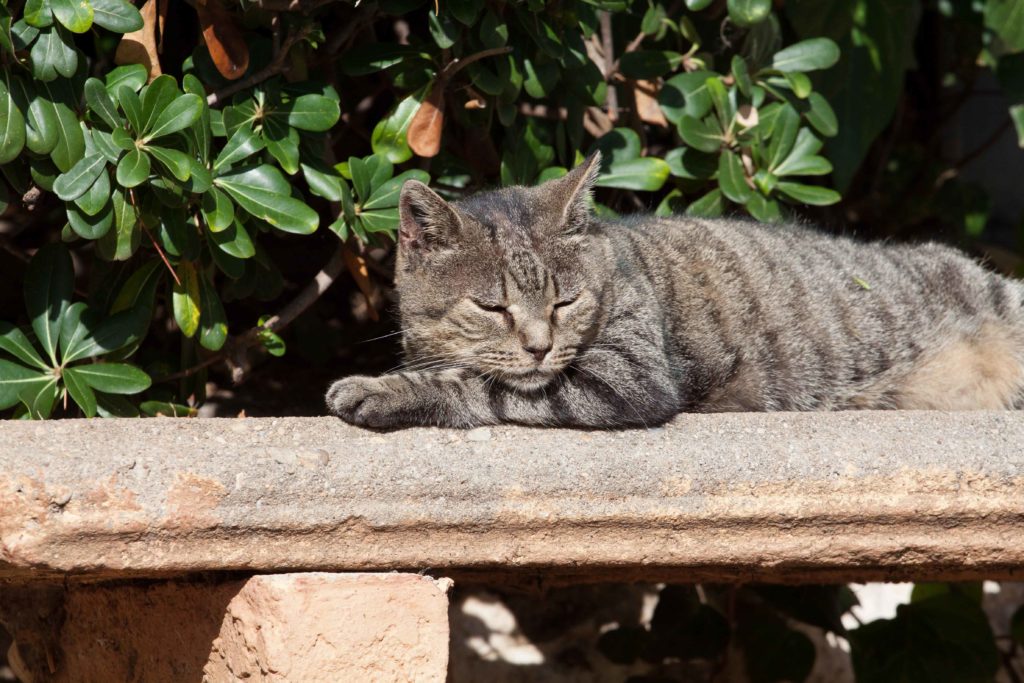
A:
(224, 39)
(646, 95)
(424, 135)
(747, 116)
(356, 265)
(139, 47)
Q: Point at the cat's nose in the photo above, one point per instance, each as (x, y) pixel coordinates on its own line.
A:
(538, 352)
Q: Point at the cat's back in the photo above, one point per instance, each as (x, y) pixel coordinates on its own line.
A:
(798, 319)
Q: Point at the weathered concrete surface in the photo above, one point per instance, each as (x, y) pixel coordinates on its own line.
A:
(287, 628)
(778, 497)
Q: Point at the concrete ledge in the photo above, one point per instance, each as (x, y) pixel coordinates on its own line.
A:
(729, 497)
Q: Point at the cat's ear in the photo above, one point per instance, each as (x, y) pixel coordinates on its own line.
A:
(425, 219)
(572, 193)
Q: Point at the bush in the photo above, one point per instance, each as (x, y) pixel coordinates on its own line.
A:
(177, 192)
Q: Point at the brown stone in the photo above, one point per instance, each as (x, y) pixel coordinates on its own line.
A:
(287, 628)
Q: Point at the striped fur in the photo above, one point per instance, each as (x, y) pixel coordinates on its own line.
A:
(649, 317)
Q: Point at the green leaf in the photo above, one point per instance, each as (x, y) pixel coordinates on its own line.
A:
(73, 184)
(784, 132)
(120, 243)
(685, 162)
(38, 14)
(367, 59)
(316, 113)
(16, 343)
(69, 145)
(271, 342)
(74, 329)
(40, 111)
(699, 135)
(131, 105)
(131, 76)
(1006, 19)
(708, 206)
(80, 391)
(741, 74)
(133, 169)
(241, 145)
(213, 322)
(618, 144)
(76, 15)
(103, 336)
(234, 241)
(749, 12)
(732, 179)
(809, 194)
(799, 83)
(763, 209)
(943, 638)
(322, 181)
(386, 195)
(282, 143)
(53, 55)
(185, 299)
(17, 380)
(116, 15)
(218, 210)
(820, 115)
(368, 174)
(389, 135)
(49, 282)
(12, 123)
(166, 409)
(645, 173)
(380, 220)
(807, 55)
(90, 227)
(649, 64)
(101, 103)
(686, 94)
(114, 378)
(264, 193)
(180, 114)
(444, 32)
(139, 289)
(178, 163)
(156, 97)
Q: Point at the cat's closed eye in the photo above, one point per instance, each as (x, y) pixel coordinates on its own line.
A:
(489, 307)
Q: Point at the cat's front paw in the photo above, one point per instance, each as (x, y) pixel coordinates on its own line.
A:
(367, 402)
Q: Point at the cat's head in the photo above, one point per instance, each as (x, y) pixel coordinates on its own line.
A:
(506, 283)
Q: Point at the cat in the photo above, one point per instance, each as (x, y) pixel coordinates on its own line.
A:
(520, 306)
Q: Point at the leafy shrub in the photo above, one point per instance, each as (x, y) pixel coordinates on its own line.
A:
(177, 192)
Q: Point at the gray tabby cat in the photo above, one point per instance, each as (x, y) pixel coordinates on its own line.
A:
(520, 306)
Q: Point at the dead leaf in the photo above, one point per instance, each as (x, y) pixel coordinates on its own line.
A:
(424, 135)
(646, 95)
(356, 265)
(140, 47)
(224, 39)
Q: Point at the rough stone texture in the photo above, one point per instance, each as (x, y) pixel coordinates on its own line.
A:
(779, 497)
(288, 628)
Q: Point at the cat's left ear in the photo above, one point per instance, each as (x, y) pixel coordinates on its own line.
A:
(571, 194)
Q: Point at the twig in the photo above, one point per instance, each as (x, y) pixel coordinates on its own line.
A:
(456, 65)
(156, 245)
(611, 99)
(292, 310)
(277, 65)
(633, 46)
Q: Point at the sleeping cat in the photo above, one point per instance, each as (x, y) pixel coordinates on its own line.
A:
(520, 306)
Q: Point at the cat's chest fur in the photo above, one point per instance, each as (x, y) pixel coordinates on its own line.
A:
(519, 306)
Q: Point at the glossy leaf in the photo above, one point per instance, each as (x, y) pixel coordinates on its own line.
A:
(213, 322)
(809, 194)
(12, 123)
(185, 299)
(16, 380)
(53, 55)
(708, 206)
(699, 135)
(49, 281)
(114, 378)
(16, 343)
(389, 135)
(181, 113)
(732, 179)
(110, 333)
(646, 173)
(176, 162)
(79, 178)
(243, 144)
(76, 15)
(116, 15)
(264, 193)
(685, 94)
(69, 144)
(316, 113)
(807, 55)
(387, 194)
(91, 226)
(234, 241)
(749, 12)
(133, 169)
(218, 210)
(80, 391)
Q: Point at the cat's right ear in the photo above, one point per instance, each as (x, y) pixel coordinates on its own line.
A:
(426, 220)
